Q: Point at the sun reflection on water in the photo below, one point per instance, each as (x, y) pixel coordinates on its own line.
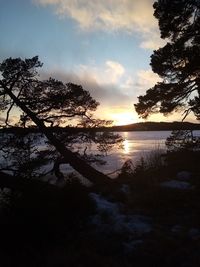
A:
(126, 146)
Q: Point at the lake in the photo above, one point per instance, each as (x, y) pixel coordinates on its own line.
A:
(136, 144)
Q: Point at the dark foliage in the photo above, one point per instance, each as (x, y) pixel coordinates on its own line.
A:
(40, 221)
(50, 103)
(182, 140)
(177, 63)
(50, 100)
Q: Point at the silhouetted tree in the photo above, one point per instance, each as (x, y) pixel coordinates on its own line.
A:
(182, 140)
(177, 63)
(49, 103)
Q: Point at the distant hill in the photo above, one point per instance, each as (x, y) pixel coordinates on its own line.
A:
(141, 126)
(157, 126)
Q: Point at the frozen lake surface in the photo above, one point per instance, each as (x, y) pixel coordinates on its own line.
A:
(136, 144)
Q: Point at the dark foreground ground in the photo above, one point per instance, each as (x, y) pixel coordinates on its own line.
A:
(150, 217)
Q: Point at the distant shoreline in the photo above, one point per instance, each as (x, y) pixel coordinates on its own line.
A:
(141, 126)
(158, 126)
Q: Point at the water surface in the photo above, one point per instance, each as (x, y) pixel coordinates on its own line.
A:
(136, 144)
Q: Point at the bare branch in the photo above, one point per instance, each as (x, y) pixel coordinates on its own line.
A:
(186, 113)
(8, 113)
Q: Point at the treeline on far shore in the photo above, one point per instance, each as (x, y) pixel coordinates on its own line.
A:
(158, 126)
(141, 126)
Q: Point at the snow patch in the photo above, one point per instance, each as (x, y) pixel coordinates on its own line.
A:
(175, 184)
(110, 219)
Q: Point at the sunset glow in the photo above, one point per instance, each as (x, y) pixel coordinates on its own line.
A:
(104, 47)
(124, 118)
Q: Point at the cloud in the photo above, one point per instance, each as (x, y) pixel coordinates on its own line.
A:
(131, 16)
(152, 40)
(103, 82)
(146, 79)
(2, 119)
(114, 70)
(109, 73)
(110, 84)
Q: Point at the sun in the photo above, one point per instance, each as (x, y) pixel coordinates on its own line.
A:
(124, 118)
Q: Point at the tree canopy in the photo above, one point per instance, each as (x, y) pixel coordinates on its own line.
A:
(48, 103)
(177, 63)
(50, 100)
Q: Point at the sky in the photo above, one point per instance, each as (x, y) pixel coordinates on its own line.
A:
(104, 45)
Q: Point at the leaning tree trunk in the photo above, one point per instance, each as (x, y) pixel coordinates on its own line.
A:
(77, 163)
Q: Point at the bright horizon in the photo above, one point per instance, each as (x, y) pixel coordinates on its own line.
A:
(103, 45)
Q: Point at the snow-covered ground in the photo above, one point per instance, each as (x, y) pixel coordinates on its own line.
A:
(177, 185)
(110, 218)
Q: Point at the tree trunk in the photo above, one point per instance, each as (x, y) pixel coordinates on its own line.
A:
(77, 163)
